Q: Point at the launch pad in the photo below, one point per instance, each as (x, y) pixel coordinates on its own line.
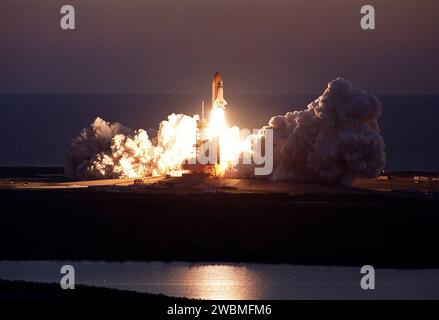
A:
(200, 183)
(208, 144)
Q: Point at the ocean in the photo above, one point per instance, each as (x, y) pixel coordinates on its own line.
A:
(35, 129)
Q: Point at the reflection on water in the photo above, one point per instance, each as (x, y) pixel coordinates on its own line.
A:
(223, 282)
(233, 281)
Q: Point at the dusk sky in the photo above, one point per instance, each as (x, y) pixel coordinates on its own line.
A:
(260, 46)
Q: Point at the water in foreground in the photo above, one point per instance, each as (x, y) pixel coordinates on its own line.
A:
(233, 281)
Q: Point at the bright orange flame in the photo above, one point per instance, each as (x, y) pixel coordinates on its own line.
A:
(230, 143)
(136, 155)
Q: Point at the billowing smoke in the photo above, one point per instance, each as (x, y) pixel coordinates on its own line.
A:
(335, 139)
(110, 150)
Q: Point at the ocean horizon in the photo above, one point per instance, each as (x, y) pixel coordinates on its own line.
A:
(37, 128)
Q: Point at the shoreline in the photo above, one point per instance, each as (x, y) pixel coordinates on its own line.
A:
(19, 290)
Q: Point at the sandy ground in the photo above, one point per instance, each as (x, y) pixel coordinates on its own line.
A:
(201, 184)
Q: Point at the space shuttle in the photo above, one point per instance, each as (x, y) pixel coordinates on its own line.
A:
(218, 92)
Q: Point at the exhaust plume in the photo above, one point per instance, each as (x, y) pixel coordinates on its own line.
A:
(110, 150)
(335, 139)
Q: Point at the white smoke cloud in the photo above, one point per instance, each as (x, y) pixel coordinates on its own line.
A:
(110, 150)
(335, 139)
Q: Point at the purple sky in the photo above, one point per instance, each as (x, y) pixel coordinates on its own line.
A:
(260, 46)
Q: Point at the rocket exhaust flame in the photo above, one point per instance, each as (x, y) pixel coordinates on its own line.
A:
(335, 139)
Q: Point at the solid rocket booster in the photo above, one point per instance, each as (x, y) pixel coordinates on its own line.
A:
(218, 92)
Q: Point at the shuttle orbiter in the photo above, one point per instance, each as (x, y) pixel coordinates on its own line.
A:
(218, 92)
